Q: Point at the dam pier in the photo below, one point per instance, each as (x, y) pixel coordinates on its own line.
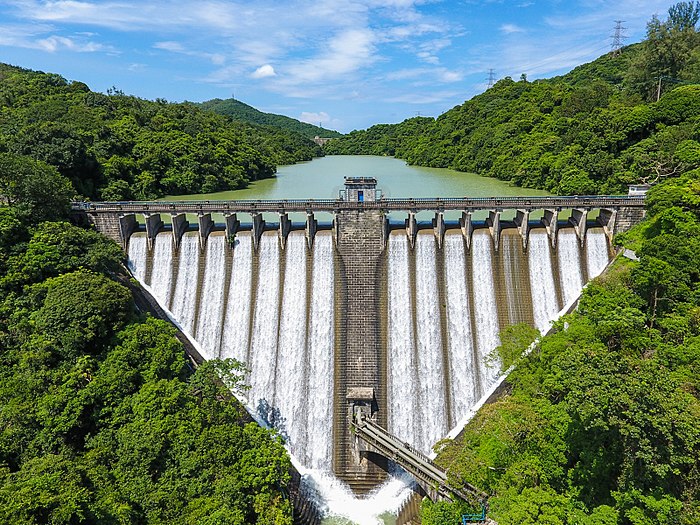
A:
(388, 305)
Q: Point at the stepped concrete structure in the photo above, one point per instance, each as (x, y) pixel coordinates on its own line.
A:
(361, 227)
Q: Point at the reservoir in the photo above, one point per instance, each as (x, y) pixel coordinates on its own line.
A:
(322, 178)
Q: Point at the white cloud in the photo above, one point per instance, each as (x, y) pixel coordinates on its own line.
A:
(511, 28)
(264, 71)
(315, 118)
(177, 47)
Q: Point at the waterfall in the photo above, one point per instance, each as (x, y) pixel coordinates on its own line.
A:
(292, 363)
(162, 268)
(569, 258)
(545, 304)
(432, 409)
(263, 340)
(485, 309)
(212, 301)
(459, 329)
(138, 252)
(402, 369)
(186, 290)
(236, 330)
(320, 347)
(597, 254)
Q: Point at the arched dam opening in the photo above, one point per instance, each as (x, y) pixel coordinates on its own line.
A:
(400, 316)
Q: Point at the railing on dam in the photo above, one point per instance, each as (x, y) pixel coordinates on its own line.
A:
(118, 219)
(332, 205)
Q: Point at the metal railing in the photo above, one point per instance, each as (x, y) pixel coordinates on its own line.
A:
(334, 205)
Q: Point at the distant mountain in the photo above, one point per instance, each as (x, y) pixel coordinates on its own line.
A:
(237, 110)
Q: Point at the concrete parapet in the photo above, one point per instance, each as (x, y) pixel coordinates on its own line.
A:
(411, 228)
(607, 219)
(550, 219)
(494, 223)
(311, 229)
(439, 228)
(153, 225)
(206, 225)
(180, 225)
(579, 218)
(284, 229)
(232, 226)
(522, 221)
(258, 228)
(465, 224)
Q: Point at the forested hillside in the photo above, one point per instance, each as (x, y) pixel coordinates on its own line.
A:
(237, 110)
(594, 130)
(120, 147)
(101, 418)
(602, 421)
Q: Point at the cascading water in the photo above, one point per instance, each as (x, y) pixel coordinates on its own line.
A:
(545, 303)
(459, 328)
(569, 258)
(275, 309)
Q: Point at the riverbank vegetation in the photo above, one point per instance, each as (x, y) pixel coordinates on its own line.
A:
(594, 130)
(602, 421)
(102, 420)
(118, 147)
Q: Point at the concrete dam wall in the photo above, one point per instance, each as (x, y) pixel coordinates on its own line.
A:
(406, 320)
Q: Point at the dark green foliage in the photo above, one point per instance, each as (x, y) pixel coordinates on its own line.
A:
(602, 424)
(101, 418)
(120, 147)
(33, 188)
(237, 110)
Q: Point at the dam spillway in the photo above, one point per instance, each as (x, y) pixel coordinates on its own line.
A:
(284, 312)
(363, 312)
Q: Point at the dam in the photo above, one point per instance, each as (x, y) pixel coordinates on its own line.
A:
(397, 316)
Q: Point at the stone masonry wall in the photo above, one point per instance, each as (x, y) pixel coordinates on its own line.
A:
(359, 362)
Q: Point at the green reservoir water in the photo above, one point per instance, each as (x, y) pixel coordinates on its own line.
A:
(322, 179)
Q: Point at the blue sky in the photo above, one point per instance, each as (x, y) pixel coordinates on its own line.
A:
(347, 64)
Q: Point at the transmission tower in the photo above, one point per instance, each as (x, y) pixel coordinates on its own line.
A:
(492, 78)
(618, 37)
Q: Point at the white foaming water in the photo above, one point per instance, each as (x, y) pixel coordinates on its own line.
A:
(485, 310)
(292, 365)
(569, 257)
(212, 300)
(236, 332)
(402, 370)
(138, 250)
(162, 270)
(545, 305)
(459, 329)
(292, 356)
(431, 403)
(263, 346)
(597, 254)
(185, 294)
(320, 349)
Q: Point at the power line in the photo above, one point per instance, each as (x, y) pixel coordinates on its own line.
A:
(617, 38)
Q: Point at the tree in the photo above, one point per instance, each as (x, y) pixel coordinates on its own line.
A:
(35, 189)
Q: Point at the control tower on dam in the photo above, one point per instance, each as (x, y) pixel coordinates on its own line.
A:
(388, 305)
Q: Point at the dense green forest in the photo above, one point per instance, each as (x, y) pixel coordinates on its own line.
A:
(594, 130)
(118, 147)
(237, 110)
(102, 419)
